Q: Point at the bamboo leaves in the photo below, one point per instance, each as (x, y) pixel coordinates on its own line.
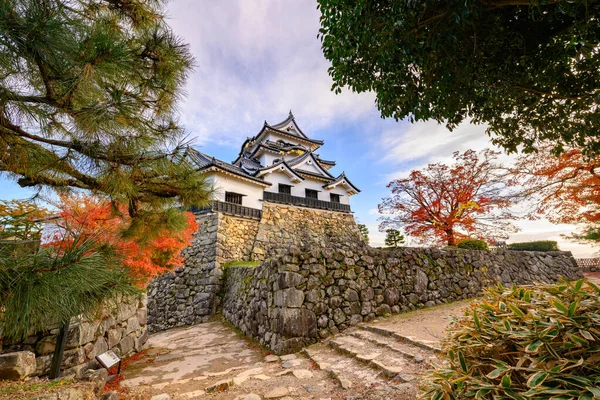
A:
(540, 342)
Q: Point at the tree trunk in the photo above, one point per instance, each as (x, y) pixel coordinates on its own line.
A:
(450, 237)
(57, 358)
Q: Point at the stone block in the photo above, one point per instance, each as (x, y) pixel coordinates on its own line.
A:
(141, 340)
(43, 364)
(421, 282)
(383, 309)
(97, 378)
(100, 346)
(292, 298)
(294, 322)
(18, 365)
(126, 345)
(46, 345)
(73, 357)
(391, 296)
(126, 311)
(133, 325)
(113, 337)
(289, 279)
(142, 316)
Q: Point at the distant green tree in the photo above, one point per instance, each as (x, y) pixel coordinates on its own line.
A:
(528, 69)
(394, 238)
(88, 92)
(19, 220)
(364, 231)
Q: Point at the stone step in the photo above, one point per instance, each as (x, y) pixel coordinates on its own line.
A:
(393, 365)
(407, 350)
(345, 370)
(424, 344)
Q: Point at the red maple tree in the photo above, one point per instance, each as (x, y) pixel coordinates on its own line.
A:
(145, 253)
(442, 204)
(566, 189)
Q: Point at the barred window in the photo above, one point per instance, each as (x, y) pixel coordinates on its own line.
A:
(231, 197)
(312, 194)
(285, 189)
(335, 198)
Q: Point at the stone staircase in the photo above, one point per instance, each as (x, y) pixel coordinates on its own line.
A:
(375, 357)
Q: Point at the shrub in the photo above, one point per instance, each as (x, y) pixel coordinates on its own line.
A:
(473, 244)
(536, 342)
(540, 245)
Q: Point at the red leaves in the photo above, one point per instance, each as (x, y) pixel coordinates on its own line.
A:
(443, 203)
(567, 187)
(143, 257)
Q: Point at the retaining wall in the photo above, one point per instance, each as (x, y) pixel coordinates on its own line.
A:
(123, 331)
(190, 294)
(296, 299)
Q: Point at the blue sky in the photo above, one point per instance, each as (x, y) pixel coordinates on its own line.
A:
(256, 60)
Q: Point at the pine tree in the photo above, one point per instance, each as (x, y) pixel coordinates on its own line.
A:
(393, 238)
(87, 100)
(364, 231)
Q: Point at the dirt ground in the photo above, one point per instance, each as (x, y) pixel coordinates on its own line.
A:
(427, 324)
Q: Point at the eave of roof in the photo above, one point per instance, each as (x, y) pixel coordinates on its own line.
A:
(278, 165)
(319, 142)
(206, 163)
(342, 177)
(290, 118)
(314, 175)
(218, 168)
(299, 159)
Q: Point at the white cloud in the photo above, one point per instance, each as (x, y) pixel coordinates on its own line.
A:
(413, 146)
(256, 60)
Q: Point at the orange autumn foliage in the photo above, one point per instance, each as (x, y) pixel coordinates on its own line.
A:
(567, 188)
(144, 257)
(442, 204)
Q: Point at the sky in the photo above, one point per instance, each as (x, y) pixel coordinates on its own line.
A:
(257, 60)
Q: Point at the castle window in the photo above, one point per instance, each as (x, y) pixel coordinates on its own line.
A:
(285, 189)
(231, 197)
(335, 198)
(312, 194)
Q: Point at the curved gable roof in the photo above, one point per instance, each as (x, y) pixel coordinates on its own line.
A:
(297, 162)
(344, 181)
(281, 166)
(290, 119)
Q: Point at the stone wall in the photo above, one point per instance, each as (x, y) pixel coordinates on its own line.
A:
(283, 227)
(122, 330)
(190, 294)
(235, 238)
(186, 296)
(296, 299)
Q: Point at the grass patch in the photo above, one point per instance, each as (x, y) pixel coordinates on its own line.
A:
(242, 264)
(16, 390)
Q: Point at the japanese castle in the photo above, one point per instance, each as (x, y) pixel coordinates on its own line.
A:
(279, 165)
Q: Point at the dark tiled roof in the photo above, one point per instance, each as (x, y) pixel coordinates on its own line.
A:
(286, 121)
(204, 161)
(299, 159)
(345, 178)
(327, 162)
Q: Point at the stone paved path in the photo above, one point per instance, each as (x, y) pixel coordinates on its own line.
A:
(210, 361)
(379, 360)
